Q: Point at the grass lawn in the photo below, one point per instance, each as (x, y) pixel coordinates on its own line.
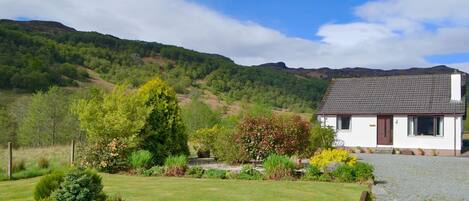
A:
(169, 188)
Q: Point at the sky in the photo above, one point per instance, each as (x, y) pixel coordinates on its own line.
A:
(383, 34)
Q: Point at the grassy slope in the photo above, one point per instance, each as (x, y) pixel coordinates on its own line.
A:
(167, 188)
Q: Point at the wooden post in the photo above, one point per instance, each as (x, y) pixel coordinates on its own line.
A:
(10, 160)
(72, 152)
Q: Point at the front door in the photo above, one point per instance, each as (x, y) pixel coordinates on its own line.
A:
(385, 130)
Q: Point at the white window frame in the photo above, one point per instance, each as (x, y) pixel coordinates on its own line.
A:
(339, 122)
(412, 121)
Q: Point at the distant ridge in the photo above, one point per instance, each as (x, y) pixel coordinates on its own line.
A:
(328, 73)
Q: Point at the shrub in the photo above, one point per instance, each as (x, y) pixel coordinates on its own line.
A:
(18, 165)
(344, 173)
(106, 156)
(215, 174)
(322, 159)
(225, 149)
(154, 171)
(175, 165)
(43, 163)
(47, 185)
(140, 159)
(248, 172)
(204, 139)
(163, 133)
(325, 177)
(312, 173)
(321, 137)
(196, 172)
(278, 167)
(363, 172)
(80, 185)
(261, 136)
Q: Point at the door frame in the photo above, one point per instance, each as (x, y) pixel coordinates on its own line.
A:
(391, 117)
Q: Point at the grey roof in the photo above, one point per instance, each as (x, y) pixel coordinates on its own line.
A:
(409, 94)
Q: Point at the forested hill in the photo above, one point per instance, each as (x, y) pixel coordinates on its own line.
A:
(35, 55)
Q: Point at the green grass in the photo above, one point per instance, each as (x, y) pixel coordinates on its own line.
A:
(171, 188)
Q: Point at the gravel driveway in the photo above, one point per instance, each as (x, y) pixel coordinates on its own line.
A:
(401, 177)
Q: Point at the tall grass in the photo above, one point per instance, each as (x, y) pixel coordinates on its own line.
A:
(278, 167)
(57, 157)
(140, 159)
(175, 165)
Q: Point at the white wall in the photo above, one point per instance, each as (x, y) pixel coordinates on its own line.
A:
(364, 128)
(402, 140)
(362, 132)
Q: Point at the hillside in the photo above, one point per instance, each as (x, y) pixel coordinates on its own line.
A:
(38, 54)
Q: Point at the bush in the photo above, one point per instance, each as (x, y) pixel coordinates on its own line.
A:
(225, 149)
(325, 157)
(363, 172)
(278, 167)
(154, 171)
(80, 185)
(215, 174)
(204, 139)
(106, 156)
(325, 177)
(175, 165)
(18, 166)
(196, 172)
(321, 137)
(140, 159)
(248, 172)
(198, 115)
(43, 163)
(163, 133)
(261, 136)
(47, 185)
(344, 173)
(312, 173)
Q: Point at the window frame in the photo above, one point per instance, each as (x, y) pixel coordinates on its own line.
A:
(339, 125)
(438, 125)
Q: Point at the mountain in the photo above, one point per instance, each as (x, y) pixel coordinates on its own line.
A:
(35, 55)
(328, 73)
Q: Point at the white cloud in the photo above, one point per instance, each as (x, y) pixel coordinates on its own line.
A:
(390, 34)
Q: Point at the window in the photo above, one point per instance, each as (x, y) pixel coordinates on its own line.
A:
(425, 126)
(343, 122)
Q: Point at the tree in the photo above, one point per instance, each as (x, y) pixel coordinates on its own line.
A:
(48, 120)
(321, 137)
(197, 115)
(8, 127)
(164, 132)
(119, 114)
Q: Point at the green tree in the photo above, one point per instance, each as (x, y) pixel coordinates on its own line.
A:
(48, 120)
(164, 132)
(197, 115)
(8, 127)
(119, 114)
(321, 137)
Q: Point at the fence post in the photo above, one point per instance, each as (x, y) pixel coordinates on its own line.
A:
(72, 152)
(10, 160)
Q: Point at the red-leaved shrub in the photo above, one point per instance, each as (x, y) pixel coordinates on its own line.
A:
(283, 135)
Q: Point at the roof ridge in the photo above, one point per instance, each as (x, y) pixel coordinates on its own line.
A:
(392, 76)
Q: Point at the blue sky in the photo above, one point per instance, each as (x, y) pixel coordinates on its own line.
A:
(383, 34)
(303, 18)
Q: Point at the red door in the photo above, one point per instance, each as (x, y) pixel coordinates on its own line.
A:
(384, 130)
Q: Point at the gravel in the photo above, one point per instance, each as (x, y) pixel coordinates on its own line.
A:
(401, 177)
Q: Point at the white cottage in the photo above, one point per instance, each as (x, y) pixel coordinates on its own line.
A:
(405, 112)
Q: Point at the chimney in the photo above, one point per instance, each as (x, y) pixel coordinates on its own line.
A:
(456, 87)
